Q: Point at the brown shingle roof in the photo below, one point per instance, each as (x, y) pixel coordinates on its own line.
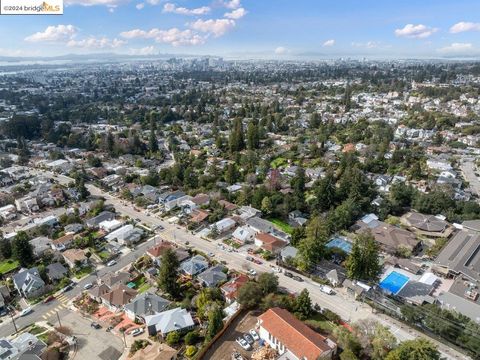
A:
(270, 242)
(119, 296)
(297, 337)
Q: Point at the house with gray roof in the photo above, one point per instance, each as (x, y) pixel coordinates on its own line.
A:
(213, 276)
(103, 216)
(194, 265)
(56, 271)
(177, 319)
(146, 304)
(40, 245)
(29, 283)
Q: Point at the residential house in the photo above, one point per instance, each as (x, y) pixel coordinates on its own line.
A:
(198, 216)
(146, 304)
(156, 252)
(75, 257)
(194, 266)
(110, 225)
(223, 225)
(103, 216)
(41, 245)
(177, 319)
(297, 217)
(63, 242)
(427, 225)
(213, 276)
(269, 243)
(390, 238)
(73, 228)
(114, 279)
(126, 235)
(97, 291)
(292, 338)
(8, 212)
(288, 252)
(26, 346)
(244, 234)
(118, 297)
(230, 288)
(28, 283)
(56, 271)
(227, 205)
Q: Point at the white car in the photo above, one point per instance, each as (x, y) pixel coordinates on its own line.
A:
(326, 289)
(25, 311)
(111, 263)
(138, 331)
(252, 272)
(243, 343)
(254, 335)
(88, 286)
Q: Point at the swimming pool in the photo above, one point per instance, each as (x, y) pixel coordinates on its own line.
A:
(341, 244)
(394, 282)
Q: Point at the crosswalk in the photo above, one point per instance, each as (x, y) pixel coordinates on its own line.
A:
(63, 299)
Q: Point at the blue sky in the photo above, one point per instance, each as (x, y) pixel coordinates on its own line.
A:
(251, 28)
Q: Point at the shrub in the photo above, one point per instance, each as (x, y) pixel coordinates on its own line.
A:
(173, 338)
(191, 338)
(191, 350)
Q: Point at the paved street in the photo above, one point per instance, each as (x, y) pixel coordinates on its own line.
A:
(467, 166)
(340, 303)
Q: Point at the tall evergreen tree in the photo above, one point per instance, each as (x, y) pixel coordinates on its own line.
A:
(362, 263)
(168, 274)
(22, 250)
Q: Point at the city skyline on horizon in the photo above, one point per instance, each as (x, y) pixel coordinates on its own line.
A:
(247, 29)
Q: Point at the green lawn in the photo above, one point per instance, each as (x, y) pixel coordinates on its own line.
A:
(83, 271)
(8, 265)
(282, 225)
(143, 287)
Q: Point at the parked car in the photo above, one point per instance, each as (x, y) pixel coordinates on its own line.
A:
(326, 289)
(257, 261)
(48, 299)
(25, 311)
(243, 343)
(95, 325)
(211, 254)
(252, 272)
(254, 335)
(248, 338)
(249, 258)
(111, 263)
(288, 274)
(110, 328)
(68, 287)
(137, 332)
(88, 286)
(297, 278)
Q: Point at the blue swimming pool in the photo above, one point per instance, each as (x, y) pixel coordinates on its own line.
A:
(341, 244)
(394, 282)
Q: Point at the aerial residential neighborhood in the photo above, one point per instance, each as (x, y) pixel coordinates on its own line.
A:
(289, 182)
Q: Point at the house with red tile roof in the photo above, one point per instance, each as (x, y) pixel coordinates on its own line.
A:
(269, 242)
(291, 338)
(230, 288)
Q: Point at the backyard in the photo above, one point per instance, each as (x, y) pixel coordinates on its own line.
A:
(282, 225)
(7, 266)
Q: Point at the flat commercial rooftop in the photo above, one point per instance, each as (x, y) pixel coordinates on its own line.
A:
(462, 254)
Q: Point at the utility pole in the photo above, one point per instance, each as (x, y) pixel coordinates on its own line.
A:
(14, 325)
(58, 317)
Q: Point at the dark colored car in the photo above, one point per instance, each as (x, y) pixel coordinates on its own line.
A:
(248, 338)
(297, 278)
(249, 258)
(288, 274)
(95, 325)
(48, 299)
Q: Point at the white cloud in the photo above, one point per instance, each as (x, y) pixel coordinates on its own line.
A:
(216, 27)
(328, 43)
(174, 36)
(154, 2)
(54, 34)
(140, 6)
(172, 8)
(366, 45)
(232, 4)
(281, 50)
(147, 50)
(457, 48)
(236, 14)
(109, 3)
(96, 43)
(419, 31)
(463, 26)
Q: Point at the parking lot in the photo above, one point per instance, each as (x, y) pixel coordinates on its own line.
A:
(92, 343)
(226, 345)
